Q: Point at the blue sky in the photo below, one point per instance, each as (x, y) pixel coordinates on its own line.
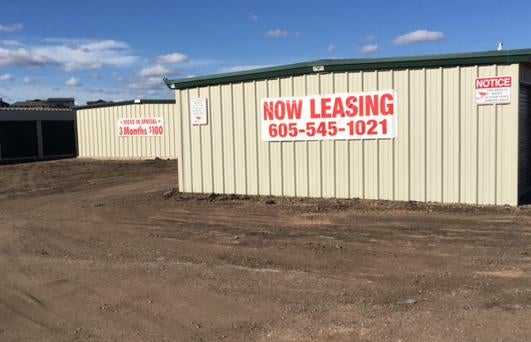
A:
(119, 50)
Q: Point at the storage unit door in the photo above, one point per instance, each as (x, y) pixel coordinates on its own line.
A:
(524, 142)
(18, 140)
(58, 138)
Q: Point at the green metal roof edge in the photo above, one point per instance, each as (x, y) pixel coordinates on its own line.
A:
(342, 65)
(124, 103)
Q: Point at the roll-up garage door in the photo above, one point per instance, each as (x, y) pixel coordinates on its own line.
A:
(524, 146)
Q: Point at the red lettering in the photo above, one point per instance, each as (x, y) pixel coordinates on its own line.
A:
(372, 105)
(387, 104)
(325, 107)
(134, 131)
(338, 108)
(280, 110)
(351, 105)
(494, 82)
(294, 109)
(313, 114)
(268, 111)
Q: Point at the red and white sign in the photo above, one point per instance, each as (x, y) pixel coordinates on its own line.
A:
(140, 127)
(493, 90)
(367, 115)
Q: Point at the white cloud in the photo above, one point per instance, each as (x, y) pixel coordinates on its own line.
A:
(418, 36)
(21, 57)
(17, 92)
(277, 33)
(72, 82)
(237, 68)
(10, 42)
(331, 48)
(148, 83)
(369, 48)
(27, 80)
(75, 55)
(172, 58)
(11, 28)
(103, 45)
(66, 41)
(156, 70)
(6, 77)
(150, 78)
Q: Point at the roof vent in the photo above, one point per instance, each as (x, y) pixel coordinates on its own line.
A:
(499, 46)
(138, 101)
(318, 68)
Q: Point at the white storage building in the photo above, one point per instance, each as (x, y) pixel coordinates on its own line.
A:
(138, 129)
(444, 128)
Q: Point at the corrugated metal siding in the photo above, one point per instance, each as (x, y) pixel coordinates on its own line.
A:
(98, 137)
(447, 149)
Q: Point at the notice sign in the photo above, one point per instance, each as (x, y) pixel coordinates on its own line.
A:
(198, 111)
(367, 115)
(493, 90)
(140, 127)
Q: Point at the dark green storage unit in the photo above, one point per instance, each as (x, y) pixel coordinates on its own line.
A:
(18, 140)
(37, 133)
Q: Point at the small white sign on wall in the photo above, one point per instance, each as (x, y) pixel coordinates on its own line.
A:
(198, 111)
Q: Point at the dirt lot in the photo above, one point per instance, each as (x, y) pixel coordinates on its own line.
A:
(92, 251)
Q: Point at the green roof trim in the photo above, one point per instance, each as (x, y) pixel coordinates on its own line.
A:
(124, 103)
(362, 64)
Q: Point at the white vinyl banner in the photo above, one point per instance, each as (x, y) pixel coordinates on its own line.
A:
(366, 115)
(140, 127)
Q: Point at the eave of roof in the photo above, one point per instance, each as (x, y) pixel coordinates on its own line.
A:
(362, 64)
(124, 103)
(36, 109)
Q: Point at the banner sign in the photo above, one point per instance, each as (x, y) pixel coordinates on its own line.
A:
(366, 115)
(493, 90)
(198, 111)
(140, 127)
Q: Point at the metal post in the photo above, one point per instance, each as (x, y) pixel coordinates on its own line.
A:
(40, 146)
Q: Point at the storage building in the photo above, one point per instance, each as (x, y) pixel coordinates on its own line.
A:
(444, 128)
(139, 129)
(36, 133)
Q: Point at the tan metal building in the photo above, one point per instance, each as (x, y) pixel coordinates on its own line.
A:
(448, 148)
(99, 135)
